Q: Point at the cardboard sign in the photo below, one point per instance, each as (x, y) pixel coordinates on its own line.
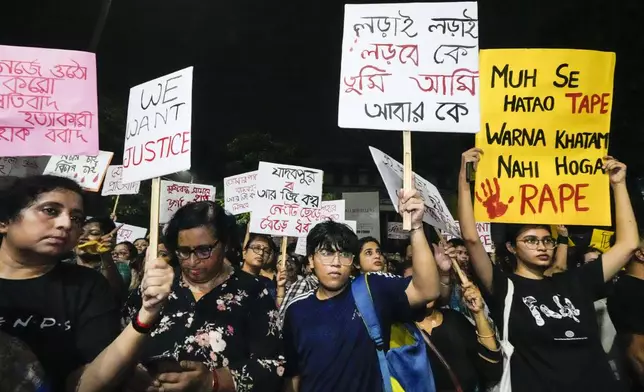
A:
(22, 166)
(88, 171)
(395, 231)
(113, 184)
(48, 102)
(364, 208)
(175, 195)
(129, 233)
(601, 239)
(239, 192)
(485, 235)
(546, 123)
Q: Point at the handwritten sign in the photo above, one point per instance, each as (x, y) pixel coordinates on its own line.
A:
(239, 192)
(159, 121)
(22, 166)
(300, 246)
(114, 185)
(546, 128)
(88, 171)
(436, 212)
(395, 231)
(48, 102)
(287, 201)
(129, 233)
(364, 208)
(485, 235)
(332, 210)
(410, 67)
(601, 239)
(175, 195)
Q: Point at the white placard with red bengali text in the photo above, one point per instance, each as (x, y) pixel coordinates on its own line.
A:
(436, 212)
(129, 233)
(175, 195)
(410, 66)
(485, 235)
(288, 200)
(88, 171)
(158, 131)
(114, 185)
(239, 191)
(300, 247)
(48, 102)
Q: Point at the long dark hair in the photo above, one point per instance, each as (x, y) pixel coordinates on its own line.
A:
(205, 214)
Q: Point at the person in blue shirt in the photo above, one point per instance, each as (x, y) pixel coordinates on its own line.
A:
(327, 345)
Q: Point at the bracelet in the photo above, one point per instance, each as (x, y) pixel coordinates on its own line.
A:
(140, 327)
(215, 381)
(444, 284)
(485, 336)
(561, 240)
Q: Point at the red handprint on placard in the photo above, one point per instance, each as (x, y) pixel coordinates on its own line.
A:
(495, 207)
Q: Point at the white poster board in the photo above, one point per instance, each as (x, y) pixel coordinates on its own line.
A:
(364, 208)
(159, 121)
(395, 231)
(175, 195)
(300, 247)
(333, 210)
(436, 212)
(129, 233)
(239, 191)
(88, 171)
(412, 66)
(485, 235)
(22, 166)
(114, 185)
(287, 201)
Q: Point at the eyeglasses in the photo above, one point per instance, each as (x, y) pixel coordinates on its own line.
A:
(260, 250)
(532, 243)
(327, 257)
(201, 252)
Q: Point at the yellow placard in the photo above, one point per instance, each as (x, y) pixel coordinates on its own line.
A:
(601, 239)
(545, 126)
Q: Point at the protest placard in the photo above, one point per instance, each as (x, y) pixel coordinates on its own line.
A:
(436, 212)
(159, 120)
(410, 66)
(300, 246)
(114, 185)
(395, 231)
(88, 171)
(239, 191)
(364, 208)
(22, 166)
(175, 195)
(287, 201)
(485, 235)
(129, 233)
(546, 122)
(600, 239)
(48, 102)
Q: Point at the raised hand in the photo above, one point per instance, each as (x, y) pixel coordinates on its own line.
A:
(156, 286)
(615, 169)
(473, 298)
(443, 261)
(410, 201)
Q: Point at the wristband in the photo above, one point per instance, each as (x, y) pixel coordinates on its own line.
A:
(215, 381)
(561, 240)
(140, 327)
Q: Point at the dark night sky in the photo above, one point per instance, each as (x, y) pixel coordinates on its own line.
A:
(274, 66)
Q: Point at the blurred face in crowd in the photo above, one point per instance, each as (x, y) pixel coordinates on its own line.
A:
(332, 267)
(371, 258)
(49, 227)
(200, 254)
(163, 253)
(90, 232)
(534, 247)
(463, 259)
(257, 253)
(141, 245)
(121, 253)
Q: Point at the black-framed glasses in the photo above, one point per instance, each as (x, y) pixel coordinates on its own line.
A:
(201, 252)
(327, 257)
(261, 250)
(532, 243)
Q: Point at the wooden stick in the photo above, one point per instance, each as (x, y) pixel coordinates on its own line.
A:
(116, 204)
(283, 251)
(155, 198)
(247, 237)
(407, 175)
(455, 265)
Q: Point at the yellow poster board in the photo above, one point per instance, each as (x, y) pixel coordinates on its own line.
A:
(545, 126)
(601, 239)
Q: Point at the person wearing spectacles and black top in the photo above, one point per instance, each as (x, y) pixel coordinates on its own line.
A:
(550, 337)
(220, 323)
(258, 252)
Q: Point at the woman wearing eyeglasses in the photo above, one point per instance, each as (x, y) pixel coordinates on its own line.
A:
(220, 324)
(258, 252)
(550, 335)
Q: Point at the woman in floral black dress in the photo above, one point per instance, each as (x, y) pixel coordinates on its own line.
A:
(221, 324)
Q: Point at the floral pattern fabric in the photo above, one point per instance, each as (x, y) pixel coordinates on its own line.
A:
(233, 326)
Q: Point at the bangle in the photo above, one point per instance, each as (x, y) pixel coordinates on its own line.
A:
(485, 336)
(140, 327)
(215, 381)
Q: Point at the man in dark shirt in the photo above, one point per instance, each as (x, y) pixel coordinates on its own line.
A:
(327, 345)
(627, 312)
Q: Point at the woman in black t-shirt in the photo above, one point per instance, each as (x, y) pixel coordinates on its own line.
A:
(552, 337)
(64, 312)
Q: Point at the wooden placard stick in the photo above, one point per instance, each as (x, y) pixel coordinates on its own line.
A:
(155, 198)
(247, 236)
(283, 251)
(116, 204)
(455, 265)
(407, 175)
